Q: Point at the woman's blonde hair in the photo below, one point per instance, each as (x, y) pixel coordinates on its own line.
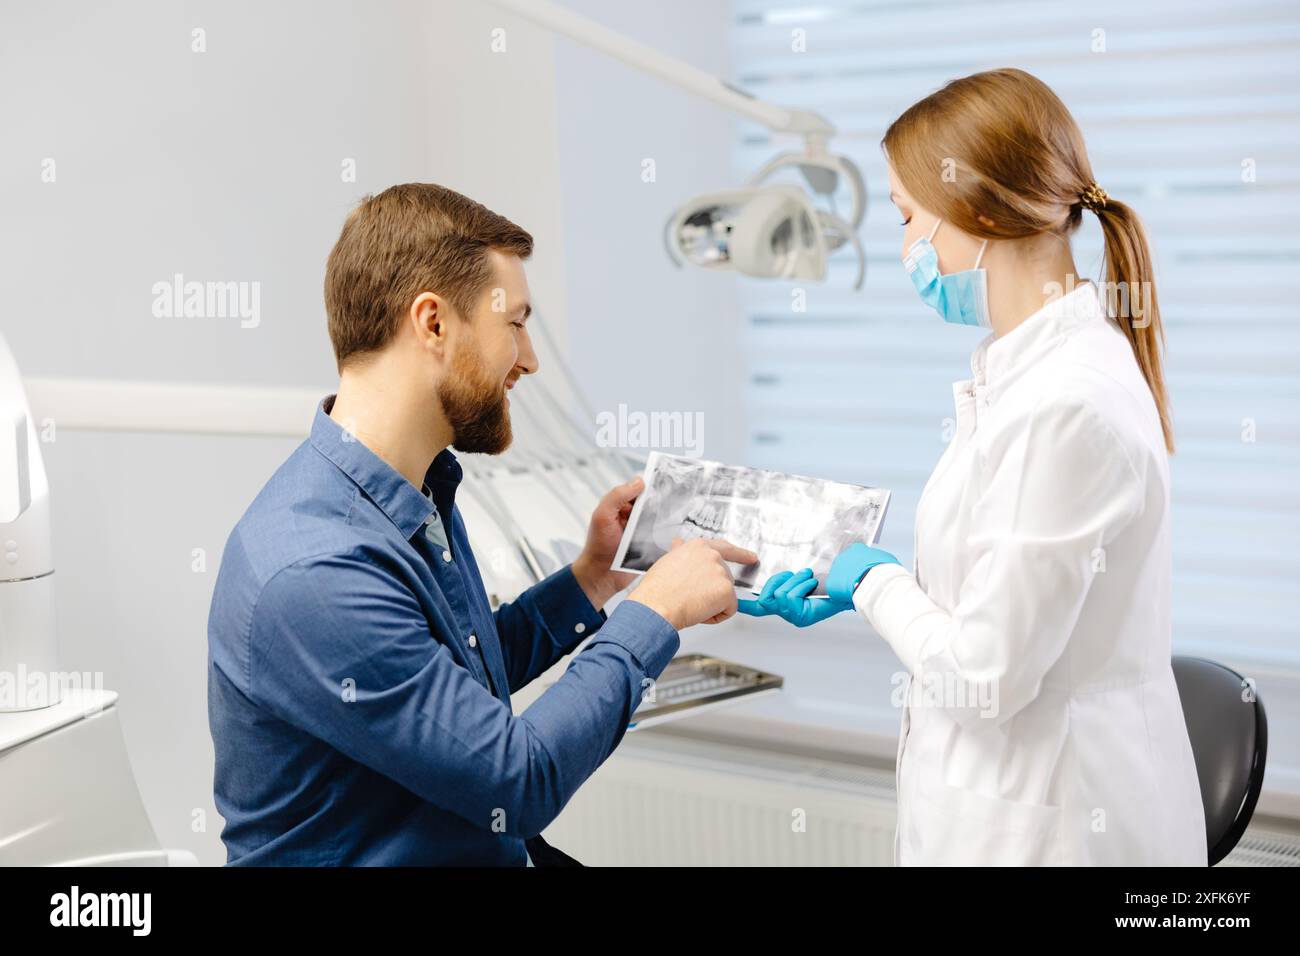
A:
(999, 156)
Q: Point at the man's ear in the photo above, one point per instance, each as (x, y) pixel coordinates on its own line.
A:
(427, 317)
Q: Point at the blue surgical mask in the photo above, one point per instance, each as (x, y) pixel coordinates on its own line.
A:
(961, 298)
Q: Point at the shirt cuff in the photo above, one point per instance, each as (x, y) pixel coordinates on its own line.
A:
(565, 607)
(650, 638)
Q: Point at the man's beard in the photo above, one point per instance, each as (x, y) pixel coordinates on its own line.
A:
(476, 409)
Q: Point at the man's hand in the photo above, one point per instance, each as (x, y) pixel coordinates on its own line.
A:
(692, 584)
(608, 521)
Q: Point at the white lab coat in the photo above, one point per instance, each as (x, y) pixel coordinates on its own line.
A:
(1042, 583)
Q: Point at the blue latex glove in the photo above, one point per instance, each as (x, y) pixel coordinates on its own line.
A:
(849, 568)
(786, 594)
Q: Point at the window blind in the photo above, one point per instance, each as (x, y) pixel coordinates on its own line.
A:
(1191, 114)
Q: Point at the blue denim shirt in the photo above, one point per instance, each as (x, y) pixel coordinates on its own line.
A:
(359, 682)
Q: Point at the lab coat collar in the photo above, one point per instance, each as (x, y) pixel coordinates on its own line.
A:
(404, 504)
(998, 361)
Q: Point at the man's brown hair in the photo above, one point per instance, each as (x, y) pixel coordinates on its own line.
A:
(412, 238)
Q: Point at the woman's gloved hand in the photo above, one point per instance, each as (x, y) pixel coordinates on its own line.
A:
(786, 594)
(850, 567)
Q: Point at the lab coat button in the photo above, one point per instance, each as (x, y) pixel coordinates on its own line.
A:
(473, 641)
(446, 555)
(580, 627)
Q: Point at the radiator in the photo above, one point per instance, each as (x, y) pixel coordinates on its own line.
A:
(666, 800)
(1264, 848)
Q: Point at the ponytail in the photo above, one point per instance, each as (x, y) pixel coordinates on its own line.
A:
(1131, 294)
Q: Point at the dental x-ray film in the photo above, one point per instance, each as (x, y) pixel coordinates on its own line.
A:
(789, 521)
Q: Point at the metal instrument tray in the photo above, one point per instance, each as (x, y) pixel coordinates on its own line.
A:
(693, 682)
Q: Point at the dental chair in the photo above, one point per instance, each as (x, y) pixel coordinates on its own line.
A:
(67, 794)
(1229, 734)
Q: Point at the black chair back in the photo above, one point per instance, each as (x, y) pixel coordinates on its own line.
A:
(1229, 735)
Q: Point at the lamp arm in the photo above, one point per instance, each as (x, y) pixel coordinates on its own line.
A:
(556, 18)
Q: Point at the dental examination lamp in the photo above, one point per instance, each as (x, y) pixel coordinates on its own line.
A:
(768, 230)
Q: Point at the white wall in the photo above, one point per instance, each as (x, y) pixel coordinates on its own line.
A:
(222, 165)
(643, 332)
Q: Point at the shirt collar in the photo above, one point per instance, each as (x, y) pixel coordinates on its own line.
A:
(999, 360)
(404, 504)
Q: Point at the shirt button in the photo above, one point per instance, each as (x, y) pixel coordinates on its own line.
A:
(473, 641)
(446, 555)
(580, 627)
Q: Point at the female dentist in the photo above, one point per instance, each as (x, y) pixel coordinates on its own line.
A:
(1041, 721)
